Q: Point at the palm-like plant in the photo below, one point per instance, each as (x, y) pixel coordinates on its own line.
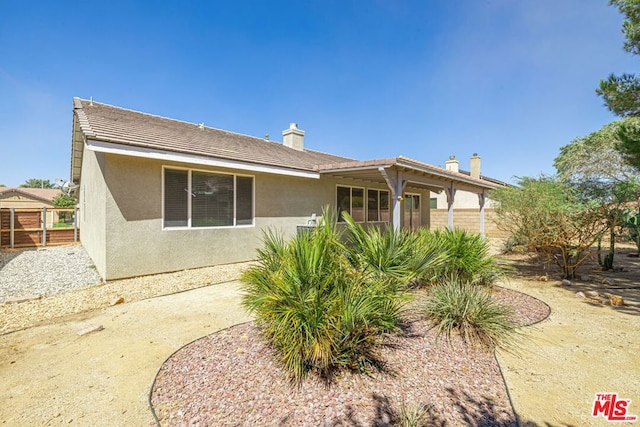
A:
(466, 256)
(400, 255)
(319, 311)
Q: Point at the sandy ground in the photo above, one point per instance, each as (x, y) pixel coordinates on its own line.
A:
(52, 376)
(580, 350)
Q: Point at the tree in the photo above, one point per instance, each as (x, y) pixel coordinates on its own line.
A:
(621, 94)
(64, 201)
(37, 183)
(551, 219)
(600, 173)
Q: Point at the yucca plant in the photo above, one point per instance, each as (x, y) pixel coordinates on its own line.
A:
(457, 306)
(318, 310)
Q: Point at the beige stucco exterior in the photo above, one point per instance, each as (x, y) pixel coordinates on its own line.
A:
(122, 224)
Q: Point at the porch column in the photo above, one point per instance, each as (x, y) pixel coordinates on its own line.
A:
(396, 184)
(482, 197)
(451, 195)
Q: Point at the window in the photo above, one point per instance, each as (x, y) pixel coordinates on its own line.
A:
(412, 211)
(350, 200)
(433, 203)
(205, 199)
(377, 205)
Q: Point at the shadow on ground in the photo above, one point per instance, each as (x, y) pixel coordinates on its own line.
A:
(623, 280)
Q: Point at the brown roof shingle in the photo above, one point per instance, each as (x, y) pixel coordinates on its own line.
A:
(43, 194)
(102, 122)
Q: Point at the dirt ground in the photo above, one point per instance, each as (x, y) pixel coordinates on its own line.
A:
(583, 348)
(52, 376)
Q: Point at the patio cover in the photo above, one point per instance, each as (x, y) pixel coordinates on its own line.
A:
(401, 173)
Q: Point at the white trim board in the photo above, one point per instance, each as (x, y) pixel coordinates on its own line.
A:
(167, 156)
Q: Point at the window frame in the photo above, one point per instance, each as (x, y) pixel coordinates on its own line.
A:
(365, 199)
(412, 195)
(379, 200)
(189, 225)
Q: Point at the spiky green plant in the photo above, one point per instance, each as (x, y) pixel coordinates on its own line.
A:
(469, 310)
(391, 254)
(319, 312)
(466, 255)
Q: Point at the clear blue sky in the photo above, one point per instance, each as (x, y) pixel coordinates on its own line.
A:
(512, 80)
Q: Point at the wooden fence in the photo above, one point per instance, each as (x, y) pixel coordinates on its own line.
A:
(21, 228)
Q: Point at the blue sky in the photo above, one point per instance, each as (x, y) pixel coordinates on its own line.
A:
(512, 80)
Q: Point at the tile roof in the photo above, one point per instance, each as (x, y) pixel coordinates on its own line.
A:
(44, 194)
(102, 122)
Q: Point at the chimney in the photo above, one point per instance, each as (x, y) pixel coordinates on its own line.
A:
(474, 166)
(293, 137)
(452, 164)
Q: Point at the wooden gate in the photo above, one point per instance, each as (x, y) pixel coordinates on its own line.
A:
(20, 228)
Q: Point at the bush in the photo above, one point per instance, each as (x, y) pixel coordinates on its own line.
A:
(466, 256)
(398, 255)
(470, 311)
(318, 310)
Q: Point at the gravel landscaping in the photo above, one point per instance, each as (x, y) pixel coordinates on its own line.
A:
(45, 271)
(233, 378)
(72, 285)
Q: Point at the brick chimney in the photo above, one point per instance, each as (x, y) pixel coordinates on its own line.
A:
(452, 164)
(474, 166)
(293, 137)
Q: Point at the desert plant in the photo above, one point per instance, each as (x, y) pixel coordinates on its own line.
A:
(320, 313)
(465, 256)
(416, 415)
(390, 254)
(469, 310)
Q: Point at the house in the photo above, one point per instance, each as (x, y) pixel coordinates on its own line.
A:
(159, 195)
(30, 198)
(465, 203)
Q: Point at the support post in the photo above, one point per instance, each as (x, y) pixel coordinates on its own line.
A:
(44, 226)
(12, 226)
(451, 195)
(482, 197)
(396, 186)
(75, 224)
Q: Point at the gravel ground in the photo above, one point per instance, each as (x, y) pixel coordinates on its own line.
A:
(45, 271)
(35, 272)
(460, 386)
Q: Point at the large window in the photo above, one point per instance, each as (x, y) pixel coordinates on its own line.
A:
(204, 199)
(377, 205)
(351, 201)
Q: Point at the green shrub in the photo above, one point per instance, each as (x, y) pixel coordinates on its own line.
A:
(466, 256)
(390, 254)
(470, 311)
(320, 313)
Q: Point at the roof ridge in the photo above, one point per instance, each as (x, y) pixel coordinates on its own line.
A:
(184, 122)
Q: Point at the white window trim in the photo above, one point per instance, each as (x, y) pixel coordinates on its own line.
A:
(189, 205)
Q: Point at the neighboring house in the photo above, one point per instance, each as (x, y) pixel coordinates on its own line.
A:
(465, 203)
(30, 198)
(159, 195)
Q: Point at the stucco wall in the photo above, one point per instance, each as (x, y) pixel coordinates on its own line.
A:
(122, 221)
(92, 215)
